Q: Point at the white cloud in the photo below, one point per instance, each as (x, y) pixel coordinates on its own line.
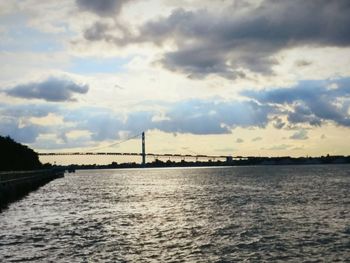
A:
(198, 95)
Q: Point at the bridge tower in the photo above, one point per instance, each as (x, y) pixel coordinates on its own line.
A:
(143, 149)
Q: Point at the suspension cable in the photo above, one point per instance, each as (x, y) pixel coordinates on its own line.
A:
(114, 144)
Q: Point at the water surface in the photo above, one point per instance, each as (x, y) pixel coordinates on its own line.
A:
(263, 213)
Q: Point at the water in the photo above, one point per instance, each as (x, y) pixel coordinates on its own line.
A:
(274, 213)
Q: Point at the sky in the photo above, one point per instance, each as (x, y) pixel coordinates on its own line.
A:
(247, 77)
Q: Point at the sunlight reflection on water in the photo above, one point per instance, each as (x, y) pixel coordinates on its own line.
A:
(183, 215)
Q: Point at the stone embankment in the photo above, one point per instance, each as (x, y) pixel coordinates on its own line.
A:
(16, 184)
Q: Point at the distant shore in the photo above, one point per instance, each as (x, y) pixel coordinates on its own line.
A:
(244, 161)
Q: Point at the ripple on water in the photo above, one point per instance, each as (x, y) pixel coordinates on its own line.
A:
(288, 213)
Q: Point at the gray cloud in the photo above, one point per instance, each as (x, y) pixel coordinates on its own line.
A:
(299, 135)
(102, 30)
(97, 31)
(52, 89)
(257, 139)
(15, 121)
(208, 117)
(24, 134)
(239, 140)
(308, 102)
(102, 7)
(27, 110)
(311, 102)
(278, 123)
(232, 42)
(303, 63)
(192, 116)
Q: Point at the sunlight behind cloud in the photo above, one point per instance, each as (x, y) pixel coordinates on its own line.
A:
(215, 71)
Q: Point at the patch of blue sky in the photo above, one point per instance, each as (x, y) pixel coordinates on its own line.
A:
(27, 39)
(17, 36)
(93, 65)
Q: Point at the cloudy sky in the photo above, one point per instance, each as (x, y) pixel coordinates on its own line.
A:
(244, 77)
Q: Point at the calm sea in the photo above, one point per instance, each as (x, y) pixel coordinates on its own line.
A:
(265, 213)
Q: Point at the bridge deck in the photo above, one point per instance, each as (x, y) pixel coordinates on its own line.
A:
(138, 154)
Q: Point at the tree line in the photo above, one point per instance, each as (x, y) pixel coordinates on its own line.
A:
(17, 157)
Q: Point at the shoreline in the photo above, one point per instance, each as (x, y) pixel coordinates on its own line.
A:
(249, 161)
(14, 185)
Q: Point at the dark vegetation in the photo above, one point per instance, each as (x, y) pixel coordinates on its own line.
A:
(17, 157)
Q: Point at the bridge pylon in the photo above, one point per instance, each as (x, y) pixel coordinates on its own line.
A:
(143, 149)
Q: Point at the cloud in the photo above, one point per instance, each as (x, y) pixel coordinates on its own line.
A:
(103, 124)
(311, 102)
(213, 117)
(25, 134)
(16, 121)
(102, 7)
(237, 41)
(303, 63)
(299, 135)
(278, 123)
(257, 139)
(192, 116)
(239, 140)
(27, 110)
(308, 102)
(51, 89)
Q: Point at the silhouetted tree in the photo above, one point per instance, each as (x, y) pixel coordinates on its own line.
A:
(15, 156)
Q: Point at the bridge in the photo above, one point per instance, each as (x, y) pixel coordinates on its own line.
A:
(143, 153)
